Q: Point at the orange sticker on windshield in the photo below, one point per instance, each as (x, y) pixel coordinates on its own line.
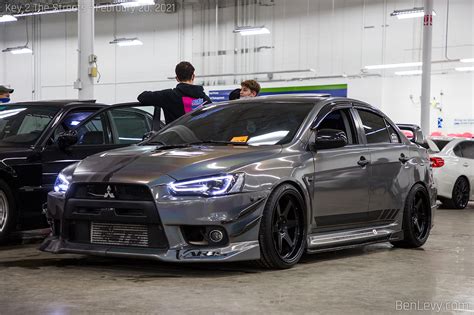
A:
(240, 139)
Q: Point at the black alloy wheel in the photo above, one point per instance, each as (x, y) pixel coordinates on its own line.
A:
(416, 222)
(420, 216)
(461, 191)
(7, 211)
(286, 229)
(282, 231)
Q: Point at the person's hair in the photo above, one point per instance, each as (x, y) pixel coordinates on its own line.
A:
(252, 85)
(184, 71)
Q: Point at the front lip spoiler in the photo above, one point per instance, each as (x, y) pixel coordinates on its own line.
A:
(233, 252)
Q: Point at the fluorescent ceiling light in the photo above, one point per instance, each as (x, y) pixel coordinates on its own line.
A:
(409, 72)
(251, 30)
(18, 50)
(127, 42)
(394, 65)
(467, 60)
(7, 18)
(464, 69)
(137, 3)
(410, 13)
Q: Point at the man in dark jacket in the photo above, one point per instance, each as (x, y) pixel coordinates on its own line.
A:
(176, 102)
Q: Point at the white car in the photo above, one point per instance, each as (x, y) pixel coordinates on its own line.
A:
(452, 160)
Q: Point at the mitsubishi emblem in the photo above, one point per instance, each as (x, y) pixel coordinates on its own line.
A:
(109, 193)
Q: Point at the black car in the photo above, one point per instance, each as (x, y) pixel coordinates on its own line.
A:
(39, 139)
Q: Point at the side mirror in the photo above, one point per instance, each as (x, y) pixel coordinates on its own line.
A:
(67, 139)
(329, 139)
(148, 135)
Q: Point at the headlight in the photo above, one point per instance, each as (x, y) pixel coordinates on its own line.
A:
(208, 186)
(62, 183)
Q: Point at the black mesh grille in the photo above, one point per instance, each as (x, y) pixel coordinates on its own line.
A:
(120, 234)
(108, 214)
(101, 191)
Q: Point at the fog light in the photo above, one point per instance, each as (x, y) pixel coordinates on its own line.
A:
(216, 236)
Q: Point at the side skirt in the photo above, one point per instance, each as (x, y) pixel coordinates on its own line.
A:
(319, 242)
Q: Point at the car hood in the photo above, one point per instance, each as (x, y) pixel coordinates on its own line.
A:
(145, 164)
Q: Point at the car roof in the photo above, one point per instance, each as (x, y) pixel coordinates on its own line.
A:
(284, 98)
(304, 99)
(300, 97)
(59, 103)
(444, 138)
(452, 141)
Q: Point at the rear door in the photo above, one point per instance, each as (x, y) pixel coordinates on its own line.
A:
(389, 162)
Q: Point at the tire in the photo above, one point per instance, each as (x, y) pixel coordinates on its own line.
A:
(416, 222)
(8, 211)
(459, 196)
(282, 235)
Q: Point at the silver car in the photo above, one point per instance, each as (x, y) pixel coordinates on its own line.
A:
(263, 179)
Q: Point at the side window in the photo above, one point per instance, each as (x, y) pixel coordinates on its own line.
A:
(33, 124)
(131, 124)
(457, 150)
(93, 132)
(374, 126)
(340, 120)
(394, 137)
(71, 121)
(467, 149)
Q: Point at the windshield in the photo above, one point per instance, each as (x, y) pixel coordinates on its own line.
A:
(22, 125)
(244, 123)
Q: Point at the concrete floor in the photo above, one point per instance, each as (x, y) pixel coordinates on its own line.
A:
(375, 279)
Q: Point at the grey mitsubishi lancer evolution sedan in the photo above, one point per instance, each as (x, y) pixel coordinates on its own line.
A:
(264, 179)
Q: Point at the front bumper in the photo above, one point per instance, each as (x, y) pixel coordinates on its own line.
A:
(233, 252)
(238, 215)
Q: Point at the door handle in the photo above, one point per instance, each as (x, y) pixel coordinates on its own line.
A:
(363, 161)
(466, 165)
(403, 158)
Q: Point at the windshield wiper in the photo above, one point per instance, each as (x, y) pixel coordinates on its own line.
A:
(187, 145)
(218, 142)
(172, 146)
(154, 142)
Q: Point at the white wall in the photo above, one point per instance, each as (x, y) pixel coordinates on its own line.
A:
(304, 34)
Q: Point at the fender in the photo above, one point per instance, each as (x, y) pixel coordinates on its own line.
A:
(8, 173)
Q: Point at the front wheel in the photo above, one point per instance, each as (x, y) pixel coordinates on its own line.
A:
(416, 222)
(282, 231)
(7, 211)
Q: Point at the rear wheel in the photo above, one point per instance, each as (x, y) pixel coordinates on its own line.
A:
(282, 231)
(416, 219)
(460, 195)
(7, 211)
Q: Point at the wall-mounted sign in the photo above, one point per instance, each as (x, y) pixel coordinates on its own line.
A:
(332, 89)
(469, 121)
(440, 122)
